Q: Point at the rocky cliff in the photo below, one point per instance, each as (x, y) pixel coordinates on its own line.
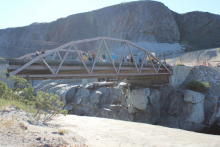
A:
(199, 30)
(182, 109)
(149, 24)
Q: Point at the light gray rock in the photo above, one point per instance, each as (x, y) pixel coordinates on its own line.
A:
(45, 85)
(139, 98)
(155, 98)
(82, 93)
(65, 91)
(95, 97)
(122, 85)
(132, 109)
(99, 84)
(193, 110)
(193, 97)
(210, 109)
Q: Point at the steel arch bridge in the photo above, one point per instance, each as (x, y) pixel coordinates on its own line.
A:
(41, 68)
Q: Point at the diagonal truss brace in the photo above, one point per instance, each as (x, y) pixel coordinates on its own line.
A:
(80, 57)
(119, 68)
(51, 70)
(151, 62)
(96, 57)
(142, 63)
(61, 63)
(110, 56)
(133, 58)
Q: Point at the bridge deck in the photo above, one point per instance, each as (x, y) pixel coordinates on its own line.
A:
(77, 69)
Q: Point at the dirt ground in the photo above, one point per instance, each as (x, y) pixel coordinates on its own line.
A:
(17, 131)
(99, 132)
(82, 131)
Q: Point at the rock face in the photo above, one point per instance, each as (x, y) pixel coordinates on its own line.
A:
(183, 109)
(149, 24)
(204, 74)
(199, 29)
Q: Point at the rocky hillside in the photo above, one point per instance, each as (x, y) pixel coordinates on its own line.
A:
(199, 30)
(182, 109)
(149, 24)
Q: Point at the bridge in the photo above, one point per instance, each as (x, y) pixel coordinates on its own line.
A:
(70, 62)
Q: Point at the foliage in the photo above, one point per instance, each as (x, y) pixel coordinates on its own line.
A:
(198, 86)
(44, 106)
(48, 105)
(3, 87)
(20, 83)
(62, 132)
(179, 64)
(17, 104)
(3, 74)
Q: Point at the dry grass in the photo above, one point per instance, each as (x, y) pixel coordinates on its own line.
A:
(62, 132)
(22, 125)
(74, 138)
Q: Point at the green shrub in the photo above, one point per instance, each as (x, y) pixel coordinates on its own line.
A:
(179, 64)
(3, 88)
(22, 96)
(198, 86)
(20, 83)
(48, 106)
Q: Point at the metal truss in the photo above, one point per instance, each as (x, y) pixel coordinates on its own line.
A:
(72, 48)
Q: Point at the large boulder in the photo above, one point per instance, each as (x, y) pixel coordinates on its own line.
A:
(211, 108)
(65, 91)
(139, 98)
(45, 85)
(194, 107)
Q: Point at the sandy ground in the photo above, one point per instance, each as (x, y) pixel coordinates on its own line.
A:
(99, 132)
(17, 131)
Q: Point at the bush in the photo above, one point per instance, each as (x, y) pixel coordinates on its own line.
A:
(3, 88)
(179, 64)
(42, 106)
(48, 106)
(198, 86)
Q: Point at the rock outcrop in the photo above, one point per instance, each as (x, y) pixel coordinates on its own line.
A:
(204, 74)
(199, 29)
(183, 109)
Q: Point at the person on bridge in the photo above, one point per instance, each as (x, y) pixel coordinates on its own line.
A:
(92, 54)
(103, 57)
(84, 58)
(139, 57)
(89, 56)
(42, 52)
(128, 58)
(37, 53)
(113, 57)
(84, 53)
